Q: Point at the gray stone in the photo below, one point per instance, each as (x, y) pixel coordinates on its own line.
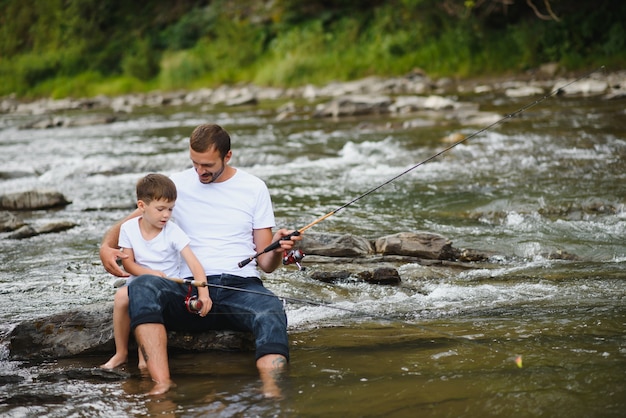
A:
(89, 330)
(416, 244)
(33, 200)
(335, 245)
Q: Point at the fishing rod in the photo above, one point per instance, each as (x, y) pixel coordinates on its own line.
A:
(194, 306)
(276, 244)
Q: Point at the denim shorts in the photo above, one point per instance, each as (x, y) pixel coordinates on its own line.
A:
(239, 304)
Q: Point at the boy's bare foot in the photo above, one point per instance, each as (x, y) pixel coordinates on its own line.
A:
(161, 387)
(116, 361)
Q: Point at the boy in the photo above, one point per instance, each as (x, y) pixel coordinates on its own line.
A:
(154, 247)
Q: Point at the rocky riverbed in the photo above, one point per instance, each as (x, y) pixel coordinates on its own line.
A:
(415, 100)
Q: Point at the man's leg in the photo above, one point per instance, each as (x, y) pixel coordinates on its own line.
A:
(265, 318)
(270, 367)
(152, 340)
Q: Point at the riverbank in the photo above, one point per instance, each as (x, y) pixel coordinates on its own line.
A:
(611, 85)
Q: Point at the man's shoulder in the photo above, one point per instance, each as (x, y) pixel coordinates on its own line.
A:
(248, 178)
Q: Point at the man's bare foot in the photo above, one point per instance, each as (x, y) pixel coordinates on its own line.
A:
(271, 367)
(161, 387)
(271, 390)
(116, 361)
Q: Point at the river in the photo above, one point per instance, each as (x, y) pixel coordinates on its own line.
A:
(442, 344)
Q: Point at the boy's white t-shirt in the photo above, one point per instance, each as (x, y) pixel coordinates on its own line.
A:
(219, 219)
(161, 253)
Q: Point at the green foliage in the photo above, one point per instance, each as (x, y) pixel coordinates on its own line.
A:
(142, 62)
(178, 69)
(82, 47)
(185, 33)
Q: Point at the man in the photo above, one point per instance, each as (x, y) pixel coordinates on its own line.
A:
(227, 214)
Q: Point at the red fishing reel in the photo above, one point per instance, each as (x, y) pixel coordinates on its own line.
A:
(293, 257)
(192, 303)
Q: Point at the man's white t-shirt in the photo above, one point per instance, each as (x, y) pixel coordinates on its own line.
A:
(219, 219)
(161, 253)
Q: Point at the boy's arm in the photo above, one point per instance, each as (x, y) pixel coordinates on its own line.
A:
(199, 276)
(135, 269)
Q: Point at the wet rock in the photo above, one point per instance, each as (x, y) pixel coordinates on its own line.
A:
(357, 105)
(84, 373)
(28, 231)
(35, 398)
(379, 276)
(54, 122)
(382, 276)
(6, 379)
(242, 100)
(523, 91)
(561, 255)
(417, 244)
(33, 200)
(89, 330)
(585, 87)
(469, 255)
(9, 222)
(335, 245)
(330, 276)
(15, 174)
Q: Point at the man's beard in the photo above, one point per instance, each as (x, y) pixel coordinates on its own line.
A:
(214, 176)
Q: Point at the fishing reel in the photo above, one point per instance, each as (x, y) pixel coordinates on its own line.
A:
(293, 257)
(192, 303)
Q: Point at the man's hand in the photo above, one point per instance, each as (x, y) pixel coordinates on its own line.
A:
(286, 244)
(109, 257)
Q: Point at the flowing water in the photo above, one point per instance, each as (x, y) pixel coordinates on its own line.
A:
(443, 343)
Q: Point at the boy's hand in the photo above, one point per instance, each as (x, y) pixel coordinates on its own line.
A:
(207, 304)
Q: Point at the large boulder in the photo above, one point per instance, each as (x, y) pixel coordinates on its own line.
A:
(33, 200)
(417, 244)
(89, 330)
(335, 245)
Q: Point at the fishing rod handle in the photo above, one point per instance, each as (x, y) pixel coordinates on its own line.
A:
(187, 281)
(274, 245)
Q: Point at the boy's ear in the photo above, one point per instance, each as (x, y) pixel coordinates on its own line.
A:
(141, 204)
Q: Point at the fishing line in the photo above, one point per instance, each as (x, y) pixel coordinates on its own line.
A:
(554, 92)
(515, 357)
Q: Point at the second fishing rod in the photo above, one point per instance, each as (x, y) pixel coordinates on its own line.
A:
(276, 244)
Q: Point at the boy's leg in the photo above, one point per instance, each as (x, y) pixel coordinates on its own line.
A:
(152, 299)
(121, 329)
